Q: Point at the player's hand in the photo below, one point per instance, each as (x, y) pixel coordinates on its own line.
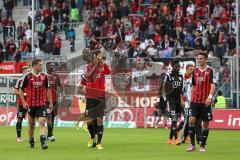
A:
(208, 102)
(25, 105)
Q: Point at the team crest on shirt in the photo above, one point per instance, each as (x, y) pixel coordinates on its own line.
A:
(206, 73)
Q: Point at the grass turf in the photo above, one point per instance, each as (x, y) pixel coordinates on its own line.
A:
(119, 144)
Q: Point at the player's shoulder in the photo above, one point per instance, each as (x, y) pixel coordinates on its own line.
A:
(26, 75)
(210, 68)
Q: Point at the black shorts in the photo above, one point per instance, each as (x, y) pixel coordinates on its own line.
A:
(95, 107)
(37, 111)
(55, 110)
(21, 112)
(200, 110)
(175, 109)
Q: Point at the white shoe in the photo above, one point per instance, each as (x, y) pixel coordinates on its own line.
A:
(52, 138)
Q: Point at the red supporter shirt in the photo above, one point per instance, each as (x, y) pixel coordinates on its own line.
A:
(54, 83)
(224, 17)
(95, 83)
(178, 22)
(202, 80)
(17, 86)
(36, 89)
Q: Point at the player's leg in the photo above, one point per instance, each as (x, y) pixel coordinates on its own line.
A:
(206, 117)
(90, 119)
(193, 112)
(49, 126)
(99, 127)
(185, 125)
(20, 115)
(19, 129)
(31, 125)
(41, 117)
(199, 130)
(50, 122)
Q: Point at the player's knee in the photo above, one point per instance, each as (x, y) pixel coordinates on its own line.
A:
(19, 120)
(42, 122)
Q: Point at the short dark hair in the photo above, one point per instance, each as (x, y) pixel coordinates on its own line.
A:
(220, 93)
(203, 54)
(35, 62)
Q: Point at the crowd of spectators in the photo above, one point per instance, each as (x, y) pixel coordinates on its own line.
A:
(163, 28)
(51, 17)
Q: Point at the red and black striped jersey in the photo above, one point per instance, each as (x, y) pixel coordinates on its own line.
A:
(35, 86)
(202, 80)
(54, 83)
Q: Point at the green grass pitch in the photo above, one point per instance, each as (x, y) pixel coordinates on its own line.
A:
(119, 144)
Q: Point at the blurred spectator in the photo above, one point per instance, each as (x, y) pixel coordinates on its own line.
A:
(9, 5)
(74, 14)
(57, 45)
(80, 5)
(4, 28)
(231, 45)
(12, 26)
(71, 37)
(20, 33)
(10, 50)
(47, 48)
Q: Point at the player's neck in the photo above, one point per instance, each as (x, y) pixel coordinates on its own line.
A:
(203, 67)
(36, 73)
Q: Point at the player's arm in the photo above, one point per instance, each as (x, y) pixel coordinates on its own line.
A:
(23, 85)
(89, 71)
(212, 89)
(164, 92)
(60, 85)
(49, 94)
(16, 89)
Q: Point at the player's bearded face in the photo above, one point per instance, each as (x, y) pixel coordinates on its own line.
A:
(201, 60)
(176, 68)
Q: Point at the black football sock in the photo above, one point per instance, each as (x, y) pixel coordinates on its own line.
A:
(171, 133)
(42, 139)
(199, 131)
(31, 140)
(100, 134)
(91, 129)
(192, 134)
(204, 137)
(174, 129)
(19, 127)
(50, 129)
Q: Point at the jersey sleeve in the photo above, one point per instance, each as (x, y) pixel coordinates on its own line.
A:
(17, 85)
(47, 82)
(24, 82)
(59, 82)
